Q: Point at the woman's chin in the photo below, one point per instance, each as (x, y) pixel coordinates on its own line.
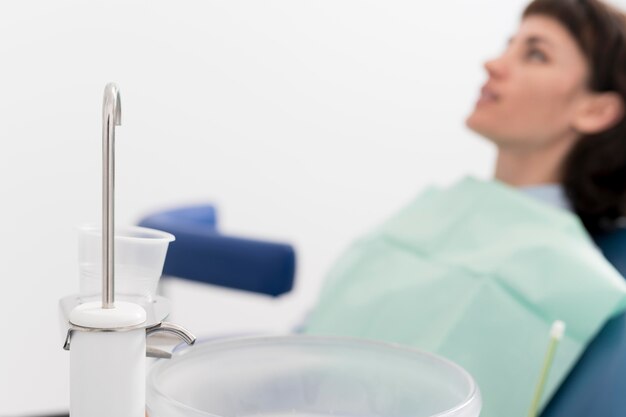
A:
(480, 126)
(473, 122)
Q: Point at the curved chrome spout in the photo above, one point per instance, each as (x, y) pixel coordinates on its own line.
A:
(166, 327)
(111, 117)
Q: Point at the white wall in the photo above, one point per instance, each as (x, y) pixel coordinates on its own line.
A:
(304, 121)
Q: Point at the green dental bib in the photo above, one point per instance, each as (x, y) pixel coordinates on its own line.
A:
(476, 273)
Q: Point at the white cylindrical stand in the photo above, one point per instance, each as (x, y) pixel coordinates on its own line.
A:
(107, 362)
(107, 374)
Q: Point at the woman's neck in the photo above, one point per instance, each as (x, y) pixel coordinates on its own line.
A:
(519, 170)
(522, 167)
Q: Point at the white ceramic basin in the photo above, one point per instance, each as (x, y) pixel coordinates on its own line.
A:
(299, 376)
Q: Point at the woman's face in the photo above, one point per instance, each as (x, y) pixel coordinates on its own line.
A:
(534, 88)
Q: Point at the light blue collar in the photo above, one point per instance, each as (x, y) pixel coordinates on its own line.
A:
(551, 194)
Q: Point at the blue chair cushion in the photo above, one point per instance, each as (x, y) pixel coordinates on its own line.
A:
(201, 253)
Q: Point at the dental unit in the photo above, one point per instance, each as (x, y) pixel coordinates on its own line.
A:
(107, 338)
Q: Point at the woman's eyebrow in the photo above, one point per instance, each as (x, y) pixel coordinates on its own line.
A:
(535, 39)
(532, 40)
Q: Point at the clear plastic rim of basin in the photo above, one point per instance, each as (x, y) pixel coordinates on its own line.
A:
(471, 401)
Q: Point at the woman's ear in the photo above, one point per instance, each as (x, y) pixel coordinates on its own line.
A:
(600, 112)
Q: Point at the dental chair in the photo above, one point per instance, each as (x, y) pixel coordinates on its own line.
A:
(201, 253)
(596, 387)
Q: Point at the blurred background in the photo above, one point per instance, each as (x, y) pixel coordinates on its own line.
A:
(307, 122)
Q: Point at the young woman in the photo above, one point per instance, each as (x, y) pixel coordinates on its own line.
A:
(554, 106)
(479, 272)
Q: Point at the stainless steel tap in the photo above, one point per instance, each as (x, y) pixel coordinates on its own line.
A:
(111, 117)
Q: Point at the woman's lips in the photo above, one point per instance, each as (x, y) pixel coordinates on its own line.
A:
(487, 95)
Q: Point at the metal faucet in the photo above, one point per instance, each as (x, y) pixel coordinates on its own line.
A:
(111, 117)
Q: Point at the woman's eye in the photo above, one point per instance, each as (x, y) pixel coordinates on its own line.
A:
(536, 55)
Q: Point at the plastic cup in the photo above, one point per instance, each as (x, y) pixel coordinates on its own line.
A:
(300, 376)
(139, 257)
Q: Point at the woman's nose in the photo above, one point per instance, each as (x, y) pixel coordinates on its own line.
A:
(496, 68)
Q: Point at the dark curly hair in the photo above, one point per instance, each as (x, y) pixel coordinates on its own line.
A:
(593, 174)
